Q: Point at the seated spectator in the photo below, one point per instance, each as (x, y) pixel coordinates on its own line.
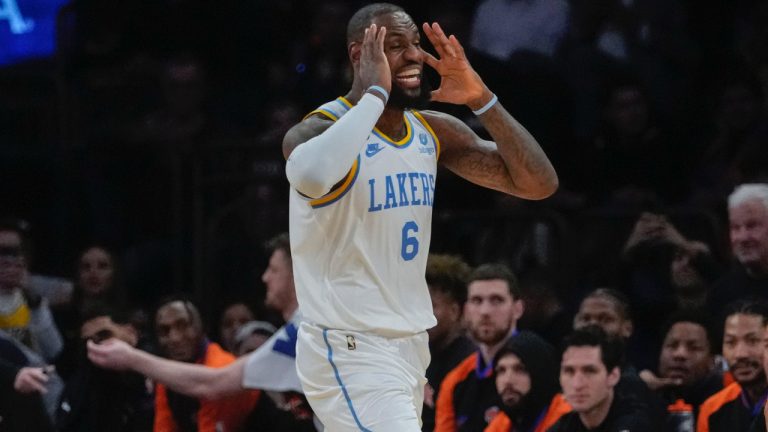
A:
(98, 283)
(525, 372)
(736, 406)
(23, 316)
(468, 400)
(252, 335)
(748, 222)
(179, 330)
(234, 315)
(589, 372)
(103, 400)
(667, 269)
(448, 344)
(609, 309)
(687, 361)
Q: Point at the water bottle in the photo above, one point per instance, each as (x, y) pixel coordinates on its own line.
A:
(680, 417)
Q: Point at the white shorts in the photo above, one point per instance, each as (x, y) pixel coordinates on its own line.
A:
(363, 382)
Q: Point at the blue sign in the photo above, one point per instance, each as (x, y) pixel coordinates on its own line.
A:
(27, 29)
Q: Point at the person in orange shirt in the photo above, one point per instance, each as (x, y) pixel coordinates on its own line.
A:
(525, 372)
(736, 406)
(180, 336)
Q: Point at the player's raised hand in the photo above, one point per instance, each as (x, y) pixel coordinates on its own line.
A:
(459, 83)
(374, 67)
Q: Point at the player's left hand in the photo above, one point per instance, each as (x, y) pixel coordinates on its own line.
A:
(459, 83)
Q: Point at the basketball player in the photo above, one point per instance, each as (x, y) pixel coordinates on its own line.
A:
(362, 173)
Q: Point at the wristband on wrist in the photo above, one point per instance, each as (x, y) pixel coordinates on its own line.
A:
(487, 106)
(380, 90)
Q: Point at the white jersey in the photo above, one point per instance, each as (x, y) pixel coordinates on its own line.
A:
(360, 252)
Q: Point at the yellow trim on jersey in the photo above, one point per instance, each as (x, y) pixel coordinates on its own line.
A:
(345, 101)
(323, 112)
(431, 132)
(19, 318)
(403, 142)
(338, 193)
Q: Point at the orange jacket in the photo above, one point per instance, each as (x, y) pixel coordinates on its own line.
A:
(726, 409)
(231, 411)
(468, 387)
(558, 407)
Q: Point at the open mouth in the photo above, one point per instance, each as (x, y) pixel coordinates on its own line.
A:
(409, 78)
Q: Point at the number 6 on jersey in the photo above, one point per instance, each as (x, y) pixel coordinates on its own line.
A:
(410, 246)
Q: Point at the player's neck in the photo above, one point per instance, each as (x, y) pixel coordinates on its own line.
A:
(392, 123)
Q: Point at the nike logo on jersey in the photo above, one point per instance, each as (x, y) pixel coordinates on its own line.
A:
(372, 149)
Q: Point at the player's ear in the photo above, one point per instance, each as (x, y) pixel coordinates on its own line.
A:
(354, 51)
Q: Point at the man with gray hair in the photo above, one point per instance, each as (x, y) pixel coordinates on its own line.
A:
(748, 227)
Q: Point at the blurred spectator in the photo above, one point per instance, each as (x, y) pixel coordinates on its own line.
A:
(687, 361)
(610, 310)
(99, 399)
(630, 143)
(234, 316)
(502, 27)
(662, 271)
(736, 406)
(180, 337)
(736, 153)
(589, 371)
(545, 313)
(98, 283)
(23, 316)
(468, 400)
(748, 220)
(525, 371)
(252, 335)
(448, 344)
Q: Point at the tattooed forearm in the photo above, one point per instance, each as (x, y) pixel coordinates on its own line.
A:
(514, 163)
(487, 167)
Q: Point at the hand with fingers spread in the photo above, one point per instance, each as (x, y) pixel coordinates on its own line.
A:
(374, 67)
(30, 380)
(459, 83)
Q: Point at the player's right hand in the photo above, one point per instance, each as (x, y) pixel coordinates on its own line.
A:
(374, 67)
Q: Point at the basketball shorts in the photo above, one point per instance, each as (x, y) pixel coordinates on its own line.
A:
(363, 382)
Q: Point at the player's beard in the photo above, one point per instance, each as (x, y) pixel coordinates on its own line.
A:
(400, 99)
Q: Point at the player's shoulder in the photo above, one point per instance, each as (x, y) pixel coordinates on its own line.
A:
(439, 119)
(310, 127)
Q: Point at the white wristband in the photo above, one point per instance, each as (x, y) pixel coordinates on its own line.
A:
(380, 90)
(487, 106)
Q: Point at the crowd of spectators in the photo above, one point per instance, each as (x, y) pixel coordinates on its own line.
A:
(168, 178)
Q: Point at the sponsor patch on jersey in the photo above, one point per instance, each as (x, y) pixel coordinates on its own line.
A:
(423, 139)
(372, 149)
